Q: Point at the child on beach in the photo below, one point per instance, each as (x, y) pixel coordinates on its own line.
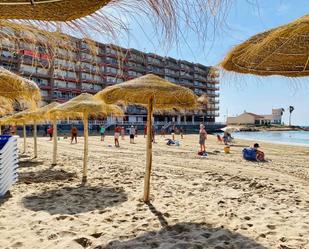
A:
(117, 135)
(122, 131)
(74, 134)
(202, 138)
(50, 132)
(102, 132)
(132, 134)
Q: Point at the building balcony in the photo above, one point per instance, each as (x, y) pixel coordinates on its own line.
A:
(174, 75)
(39, 75)
(87, 90)
(172, 66)
(136, 59)
(90, 81)
(213, 81)
(213, 94)
(67, 89)
(44, 87)
(89, 60)
(186, 76)
(66, 78)
(157, 72)
(140, 69)
(66, 57)
(10, 59)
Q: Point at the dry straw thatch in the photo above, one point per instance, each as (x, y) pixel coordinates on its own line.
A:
(6, 106)
(15, 87)
(155, 93)
(281, 51)
(166, 95)
(49, 10)
(84, 105)
(84, 18)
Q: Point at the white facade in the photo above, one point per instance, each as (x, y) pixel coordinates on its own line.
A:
(255, 119)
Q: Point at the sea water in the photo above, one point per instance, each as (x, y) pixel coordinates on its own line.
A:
(284, 137)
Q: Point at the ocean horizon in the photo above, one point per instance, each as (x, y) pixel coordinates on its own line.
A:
(299, 138)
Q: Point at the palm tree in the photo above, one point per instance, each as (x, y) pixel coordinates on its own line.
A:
(291, 109)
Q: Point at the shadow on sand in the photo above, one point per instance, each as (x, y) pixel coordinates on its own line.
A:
(29, 164)
(5, 198)
(75, 200)
(187, 236)
(43, 176)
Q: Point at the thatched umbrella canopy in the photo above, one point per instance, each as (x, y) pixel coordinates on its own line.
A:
(15, 87)
(84, 105)
(16, 119)
(6, 106)
(34, 117)
(87, 18)
(281, 51)
(49, 10)
(203, 99)
(154, 93)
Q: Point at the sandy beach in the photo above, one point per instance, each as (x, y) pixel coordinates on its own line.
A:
(220, 202)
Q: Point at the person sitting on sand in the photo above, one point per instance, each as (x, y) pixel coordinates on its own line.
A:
(253, 153)
(260, 156)
(74, 134)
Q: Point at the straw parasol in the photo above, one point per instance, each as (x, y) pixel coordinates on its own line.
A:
(6, 106)
(84, 105)
(154, 93)
(34, 117)
(87, 18)
(16, 119)
(15, 87)
(49, 10)
(281, 51)
(203, 100)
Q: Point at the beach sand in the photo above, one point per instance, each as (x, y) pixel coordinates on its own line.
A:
(220, 202)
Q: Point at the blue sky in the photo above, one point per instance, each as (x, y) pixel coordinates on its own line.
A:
(240, 93)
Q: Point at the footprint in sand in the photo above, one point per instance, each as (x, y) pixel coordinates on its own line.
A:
(84, 242)
(271, 227)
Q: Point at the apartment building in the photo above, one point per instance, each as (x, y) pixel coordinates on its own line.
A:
(63, 73)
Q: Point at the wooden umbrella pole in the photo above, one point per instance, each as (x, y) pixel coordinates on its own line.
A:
(55, 138)
(84, 180)
(148, 151)
(35, 139)
(0, 130)
(25, 138)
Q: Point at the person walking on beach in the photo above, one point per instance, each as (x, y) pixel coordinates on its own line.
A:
(122, 131)
(132, 134)
(117, 135)
(181, 132)
(74, 134)
(202, 138)
(102, 132)
(136, 131)
(50, 132)
(145, 131)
